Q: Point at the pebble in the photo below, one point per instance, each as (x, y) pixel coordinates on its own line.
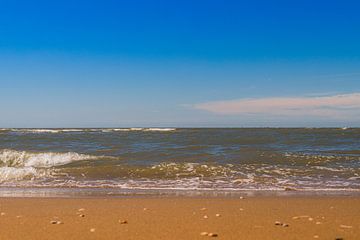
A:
(2, 214)
(310, 219)
(316, 236)
(302, 216)
(145, 209)
(277, 223)
(241, 209)
(217, 215)
(56, 222)
(345, 226)
(317, 223)
(206, 234)
(92, 229)
(203, 209)
(212, 235)
(81, 209)
(206, 217)
(123, 221)
(241, 197)
(82, 215)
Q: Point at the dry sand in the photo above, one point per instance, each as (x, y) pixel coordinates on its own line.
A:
(180, 218)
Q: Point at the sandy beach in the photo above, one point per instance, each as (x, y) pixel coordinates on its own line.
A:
(181, 218)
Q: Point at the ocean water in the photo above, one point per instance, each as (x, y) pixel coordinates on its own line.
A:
(135, 159)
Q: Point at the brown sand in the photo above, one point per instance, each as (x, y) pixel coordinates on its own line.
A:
(181, 218)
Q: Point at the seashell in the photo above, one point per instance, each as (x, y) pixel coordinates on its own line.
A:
(56, 222)
(345, 226)
(212, 235)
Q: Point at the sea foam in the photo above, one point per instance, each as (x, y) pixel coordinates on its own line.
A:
(13, 158)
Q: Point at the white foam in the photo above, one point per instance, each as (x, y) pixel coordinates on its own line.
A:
(49, 130)
(37, 130)
(72, 130)
(13, 158)
(160, 129)
(12, 173)
(121, 129)
(136, 129)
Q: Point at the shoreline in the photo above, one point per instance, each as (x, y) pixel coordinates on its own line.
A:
(249, 217)
(60, 192)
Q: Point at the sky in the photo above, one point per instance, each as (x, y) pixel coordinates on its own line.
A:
(182, 63)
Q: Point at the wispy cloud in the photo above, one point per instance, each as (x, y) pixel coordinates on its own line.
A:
(335, 106)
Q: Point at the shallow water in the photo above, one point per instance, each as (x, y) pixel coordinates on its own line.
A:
(159, 159)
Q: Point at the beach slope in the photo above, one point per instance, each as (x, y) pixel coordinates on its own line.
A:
(180, 218)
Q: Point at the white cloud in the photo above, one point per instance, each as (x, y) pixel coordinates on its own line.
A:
(344, 106)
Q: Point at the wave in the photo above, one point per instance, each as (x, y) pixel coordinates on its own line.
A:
(160, 129)
(68, 130)
(13, 173)
(13, 158)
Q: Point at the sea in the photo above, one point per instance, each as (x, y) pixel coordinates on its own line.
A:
(178, 160)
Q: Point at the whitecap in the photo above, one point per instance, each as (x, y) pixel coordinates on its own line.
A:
(13, 158)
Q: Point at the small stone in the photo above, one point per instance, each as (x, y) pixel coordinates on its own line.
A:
(298, 217)
(203, 209)
(217, 215)
(56, 222)
(92, 229)
(212, 235)
(145, 209)
(81, 209)
(206, 217)
(345, 226)
(123, 221)
(310, 219)
(285, 225)
(277, 223)
(82, 215)
(318, 223)
(241, 197)
(241, 209)
(2, 214)
(204, 233)
(316, 236)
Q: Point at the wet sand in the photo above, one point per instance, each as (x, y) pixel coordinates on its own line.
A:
(180, 218)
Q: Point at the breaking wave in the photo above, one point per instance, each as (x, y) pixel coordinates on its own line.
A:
(13, 173)
(105, 130)
(13, 158)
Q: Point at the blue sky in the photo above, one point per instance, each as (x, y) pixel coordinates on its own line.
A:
(171, 63)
